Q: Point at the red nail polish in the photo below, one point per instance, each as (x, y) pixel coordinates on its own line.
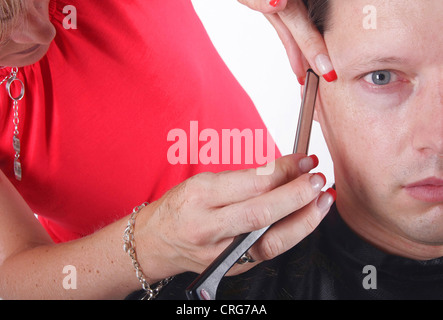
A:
(274, 3)
(301, 80)
(322, 176)
(314, 160)
(331, 76)
(332, 192)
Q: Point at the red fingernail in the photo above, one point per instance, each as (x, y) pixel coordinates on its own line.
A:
(301, 80)
(324, 66)
(331, 76)
(325, 201)
(323, 177)
(314, 159)
(308, 163)
(274, 3)
(318, 180)
(332, 192)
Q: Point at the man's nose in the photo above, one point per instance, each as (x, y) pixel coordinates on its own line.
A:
(428, 128)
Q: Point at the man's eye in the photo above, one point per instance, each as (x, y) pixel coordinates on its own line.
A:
(380, 78)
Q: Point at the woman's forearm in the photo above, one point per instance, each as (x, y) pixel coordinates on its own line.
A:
(94, 267)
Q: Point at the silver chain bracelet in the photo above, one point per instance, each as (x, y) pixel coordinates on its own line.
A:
(129, 248)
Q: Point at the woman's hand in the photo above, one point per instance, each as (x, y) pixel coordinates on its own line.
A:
(303, 42)
(192, 223)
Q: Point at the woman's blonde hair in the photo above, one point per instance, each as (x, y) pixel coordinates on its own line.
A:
(11, 15)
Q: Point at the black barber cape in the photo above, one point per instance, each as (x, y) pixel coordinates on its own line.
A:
(331, 263)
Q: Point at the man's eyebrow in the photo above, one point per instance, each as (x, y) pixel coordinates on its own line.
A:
(365, 62)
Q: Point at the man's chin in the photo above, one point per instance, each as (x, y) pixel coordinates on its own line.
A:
(426, 225)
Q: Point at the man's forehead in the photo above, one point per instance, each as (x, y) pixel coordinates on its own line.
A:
(389, 14)
(385, 31)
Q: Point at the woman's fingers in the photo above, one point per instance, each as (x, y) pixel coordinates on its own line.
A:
(268, 208)
(195, 220)
(304, 44)
(288, 232)
(295, 17)
(231, 187)
(297, 61)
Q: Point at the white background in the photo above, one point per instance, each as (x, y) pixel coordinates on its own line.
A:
(250, 47)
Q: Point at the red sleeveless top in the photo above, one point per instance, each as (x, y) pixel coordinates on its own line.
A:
(106, 112)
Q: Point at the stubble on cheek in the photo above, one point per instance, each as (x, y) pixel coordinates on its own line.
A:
(361, 169)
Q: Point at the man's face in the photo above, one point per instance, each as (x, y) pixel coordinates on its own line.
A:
(28, 42)
(383, 118)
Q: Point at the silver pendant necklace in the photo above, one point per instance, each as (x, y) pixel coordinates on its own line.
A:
(10, 79)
